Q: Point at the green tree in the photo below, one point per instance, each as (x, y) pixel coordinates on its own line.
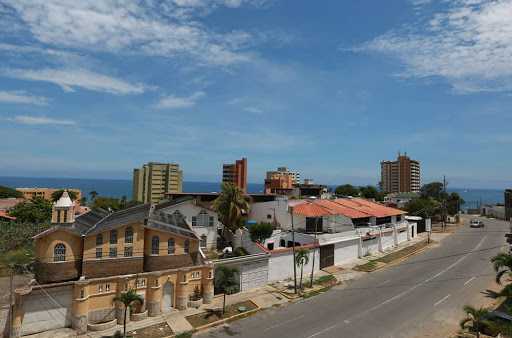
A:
(230, 204)
(502, 263)
(434, 190)
(224, 279)
(93, 194)
(453, 203)
(261, 231)
(37, 210)
(83, 201)
(127, 299)
(476, 316)
(346, 190)
(58, 193)
(419, 206)
(107, 203)
(6, 192)
(301, 259)
(19, 235)
(371, 192)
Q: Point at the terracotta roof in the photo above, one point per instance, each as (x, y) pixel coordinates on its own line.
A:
(369, 208)
(342, 209)
(4, 215)
(310, 209)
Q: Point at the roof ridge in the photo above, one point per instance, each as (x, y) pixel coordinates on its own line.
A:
(94, 226)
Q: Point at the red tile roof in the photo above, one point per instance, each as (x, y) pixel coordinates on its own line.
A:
(342, 209)
(4, 215)
(310, 209)
(370, 208)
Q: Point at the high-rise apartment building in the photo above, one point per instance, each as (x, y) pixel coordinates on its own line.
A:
(284, 171)
(508, 204)
(236, 174)
(153, 180)
(402, 175)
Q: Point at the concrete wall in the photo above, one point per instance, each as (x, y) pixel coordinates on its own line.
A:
(280, 265)
(346, 251)
(260, 212)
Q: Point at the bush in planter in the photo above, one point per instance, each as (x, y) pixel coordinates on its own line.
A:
(233, 289)
(197, 295)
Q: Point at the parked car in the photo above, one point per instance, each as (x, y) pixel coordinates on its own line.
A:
(496, 319)
(476, 224)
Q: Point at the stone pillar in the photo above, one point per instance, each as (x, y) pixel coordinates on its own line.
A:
(153, 309)
(408, 230)
(80, 306)
(16, 331)
(207, 279)
(120, 315)
(359, 245)
(182, 289)
(395, 234)
(381, 246)
(154, 294)
(79, 323)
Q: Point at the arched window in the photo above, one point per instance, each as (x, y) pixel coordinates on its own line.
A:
(59, 253)
(128, 235)
(187, 246)
(171, 246)
(202, 219)
(99, 239)
(155, 243)
(113, 237)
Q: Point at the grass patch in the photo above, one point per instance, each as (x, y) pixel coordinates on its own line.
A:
(187, 334)
(212, 316)
(369, 266)
(324, 279)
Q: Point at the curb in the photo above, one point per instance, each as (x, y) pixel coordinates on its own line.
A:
(406, 256)
(292, 297)
(199, 328)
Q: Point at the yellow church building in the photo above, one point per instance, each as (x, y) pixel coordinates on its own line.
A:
(82, 262)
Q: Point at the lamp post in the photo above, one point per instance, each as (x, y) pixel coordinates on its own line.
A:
(314, 250)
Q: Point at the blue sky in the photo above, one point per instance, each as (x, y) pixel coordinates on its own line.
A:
(330, 89)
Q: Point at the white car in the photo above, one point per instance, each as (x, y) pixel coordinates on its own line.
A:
(476, 224)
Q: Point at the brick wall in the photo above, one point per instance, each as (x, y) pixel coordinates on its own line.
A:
(57, 272)
(156, 263)
(112, 267)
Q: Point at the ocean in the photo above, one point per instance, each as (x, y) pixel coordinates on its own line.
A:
(119, 188)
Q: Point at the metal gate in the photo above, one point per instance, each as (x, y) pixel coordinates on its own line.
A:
(326, 256)
(254, 275)
(44, 312)
(167, 295)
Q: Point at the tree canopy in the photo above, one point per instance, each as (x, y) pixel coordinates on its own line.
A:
(37, 210)
(419, 206)
(261, 231)
(453, 203)
(230, 204)
(113, 203)
(346, 190)
(434, 190)
(6, 192)
(58, 193)
(371, 192)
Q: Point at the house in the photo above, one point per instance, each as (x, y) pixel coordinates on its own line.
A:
(207, 199)
(203, 219)
(401, 198)
(7, 204)
(82, 262)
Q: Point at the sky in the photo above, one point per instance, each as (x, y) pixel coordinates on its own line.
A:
(93, 89)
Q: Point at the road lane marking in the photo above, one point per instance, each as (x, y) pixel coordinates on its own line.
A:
(291, 320)
(441, 300)
(413, 269)
(384, 282)
(469, 280)
(405, 292)
(347, 321)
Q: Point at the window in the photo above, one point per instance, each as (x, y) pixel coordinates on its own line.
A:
(128, 251)
(194, 221)
(210, 221)
(100, 289)
(99, 253)
(192, 275)
(113, 237)
(197, 274)
(202, 219)
(82, 293)
(187, 246)
(128, 235)
(398, 218)
(107, 287)
(125, 286)
(171, 246)
(65, 216)
(184, 278)
(143, 282)
(137, 283)
(58, 216)
(112, 253)
(155, 243)
(209, 274)
(99, 239)
(59, 253)
(203, 241)
(269, 216)
(156, 282)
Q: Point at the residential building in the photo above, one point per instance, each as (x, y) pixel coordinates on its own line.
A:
(82, 262)
(402, 175)
(309, 190)
(153, 180)
(400, 199)
(46, 193)
(236, 174)
(281, 184)
(493, 211)
(207, 199)
(284, 171)
(508, 204)
(7, 204)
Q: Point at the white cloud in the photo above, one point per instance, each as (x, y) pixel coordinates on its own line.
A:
(236, 100)
(159, 28)
(40, 120)
(254, 110)
(68, 79)
(469, 44)
(173, 101)
(21, 97)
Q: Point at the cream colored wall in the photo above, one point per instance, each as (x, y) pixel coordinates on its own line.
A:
(164, 237)
(46, 244)
(138, 243)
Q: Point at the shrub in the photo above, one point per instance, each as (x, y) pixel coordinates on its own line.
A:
(240, 251)
(197, 295)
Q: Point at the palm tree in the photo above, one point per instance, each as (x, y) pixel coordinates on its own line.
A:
(301, 259)
(224, 276)
(502, 263)
(475, 316)
(127, 299)
(83, 201)
(230, 204)
(93, 194)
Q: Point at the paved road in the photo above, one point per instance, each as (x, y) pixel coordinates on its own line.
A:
(418, 297)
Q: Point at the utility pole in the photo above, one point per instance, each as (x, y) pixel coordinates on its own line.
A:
(314, 251)
(11, 298)
(293, 246)
(444, 211)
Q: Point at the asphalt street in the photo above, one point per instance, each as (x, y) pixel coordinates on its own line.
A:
(421, 296)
